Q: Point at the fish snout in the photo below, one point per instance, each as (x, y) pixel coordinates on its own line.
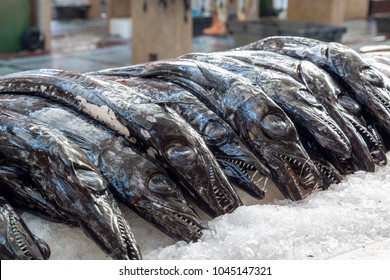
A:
(18, 241)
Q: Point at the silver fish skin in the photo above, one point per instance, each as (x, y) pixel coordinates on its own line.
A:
(292, 96)
(68, 180)
(156, 129)
(369, 86)
(366, 149)
(133, 177)
(17, 241)
(237, 161)
(257, 120)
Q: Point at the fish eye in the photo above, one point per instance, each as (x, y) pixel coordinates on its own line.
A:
(216, 132)
(161, 184)
(275, 125)
(308, 97)
(90, 180)
(372, 76)
(180, 155)
(349, 104)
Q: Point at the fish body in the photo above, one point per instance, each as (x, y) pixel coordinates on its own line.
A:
(17, 241)
(236, 160)
(68, 180)
(258, 121)
(293, 97)
(133, 177)
(156, 129)
(367, 85)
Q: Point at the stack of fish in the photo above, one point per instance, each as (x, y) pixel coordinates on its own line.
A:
(154, 136)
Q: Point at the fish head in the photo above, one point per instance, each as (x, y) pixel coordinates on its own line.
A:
(163, 201)
(146, 188)
(16, 239)
(82, 193)
(236, 160)
(311, 116)
(369, 86)
(188, 154)
(274, 137)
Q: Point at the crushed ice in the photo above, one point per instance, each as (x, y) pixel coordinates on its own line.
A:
(347, 216)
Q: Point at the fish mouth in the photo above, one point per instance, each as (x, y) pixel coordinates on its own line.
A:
(374, 144)
(328, 172)
(227, 201)
(302, 176)
(191, 227)
(23, 243)
(243, 174)
(340, 143)
(128, 240)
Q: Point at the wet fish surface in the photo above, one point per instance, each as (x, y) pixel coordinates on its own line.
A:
(258, 121)
(366, 148)
(237, 161)
(156, 129)
(133, 177)
(67, 180)
(17, 241)
(368, 85)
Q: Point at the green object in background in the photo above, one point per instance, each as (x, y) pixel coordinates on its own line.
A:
(14, 20)
(266, 8)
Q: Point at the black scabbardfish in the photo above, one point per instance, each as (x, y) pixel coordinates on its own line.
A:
(133, 177)
(68, 180)
(257, 120)
(368, 85)
(340, 106)
(17, 241)
(17, 186)
(159, 130)
(239, 164)
(292, 96)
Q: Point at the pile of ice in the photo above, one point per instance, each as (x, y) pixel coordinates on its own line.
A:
(347, 216)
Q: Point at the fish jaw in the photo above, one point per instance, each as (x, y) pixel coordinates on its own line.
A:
(295, 176)
(173, 216)
(330, 175)
(150, 192)
(275, 141)
(370, 87)
(17, 240)
(239, 172)
(212, 190)
(197, 169)
(372, 139)
(86, 199)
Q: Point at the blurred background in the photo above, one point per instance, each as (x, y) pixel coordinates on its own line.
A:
(85, 35)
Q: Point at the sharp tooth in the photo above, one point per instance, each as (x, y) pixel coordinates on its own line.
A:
(265, 182)
(254, 174)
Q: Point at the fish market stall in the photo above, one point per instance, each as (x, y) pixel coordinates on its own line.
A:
(275, 150)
